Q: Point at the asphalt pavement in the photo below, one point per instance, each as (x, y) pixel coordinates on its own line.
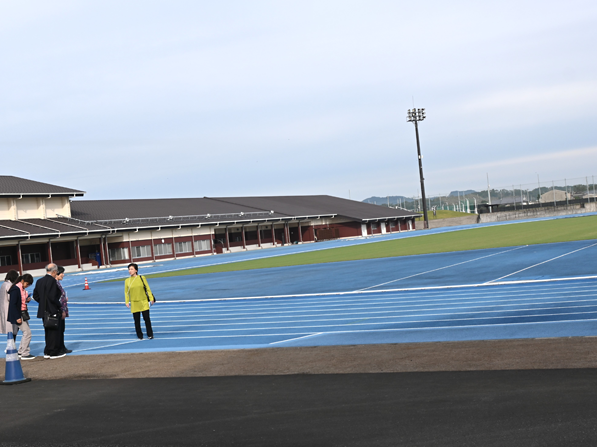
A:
(482, 408)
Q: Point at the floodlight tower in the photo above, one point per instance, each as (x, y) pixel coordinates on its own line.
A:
(414, 116)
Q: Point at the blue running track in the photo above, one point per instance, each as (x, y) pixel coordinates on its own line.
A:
(517, 292)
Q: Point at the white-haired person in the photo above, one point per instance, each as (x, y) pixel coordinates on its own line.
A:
(64, 306)
(138, 297)
(47, 294)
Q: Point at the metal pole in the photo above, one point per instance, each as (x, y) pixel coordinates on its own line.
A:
(422, 178)
(489, 193)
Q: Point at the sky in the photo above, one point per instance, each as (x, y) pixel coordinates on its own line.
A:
(157, 99)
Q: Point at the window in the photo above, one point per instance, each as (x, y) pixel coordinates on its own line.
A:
(373, 226)
(6, 260)
(143, 251)
(183, 247)
(162, 249)
(202, 246)
(30, 258)
(118, 254)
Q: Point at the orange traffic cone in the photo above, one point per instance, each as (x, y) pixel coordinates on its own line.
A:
(86, 285)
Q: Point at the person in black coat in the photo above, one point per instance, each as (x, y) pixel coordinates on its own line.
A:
(18, 299)
(47, 294)
(14, 307)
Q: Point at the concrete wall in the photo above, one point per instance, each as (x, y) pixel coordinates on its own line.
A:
(34, 208)
(453, 222)
(546, 211)
(8, 209)
(30, 208)
(57, 206)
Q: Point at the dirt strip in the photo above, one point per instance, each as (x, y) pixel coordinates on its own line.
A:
(553, 353)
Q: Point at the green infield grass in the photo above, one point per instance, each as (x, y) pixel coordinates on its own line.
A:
(516, 234)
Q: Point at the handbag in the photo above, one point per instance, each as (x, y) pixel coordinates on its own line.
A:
(147, 294)
(25, 315)
(51, 321)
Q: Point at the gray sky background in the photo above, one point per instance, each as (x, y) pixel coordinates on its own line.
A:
(143, 99)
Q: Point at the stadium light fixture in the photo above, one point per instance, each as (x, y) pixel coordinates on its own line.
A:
(414, 116)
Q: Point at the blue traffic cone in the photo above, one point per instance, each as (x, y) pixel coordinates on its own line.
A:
(14, 372)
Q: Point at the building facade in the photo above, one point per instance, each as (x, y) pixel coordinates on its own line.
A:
(42, 223)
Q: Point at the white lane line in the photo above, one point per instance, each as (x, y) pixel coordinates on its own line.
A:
(368, 308)
(355, 292)
(394, 318)
(297, 338)
(199, 316)
(494, 301)
(415, 296)
(195, 337)
(327, 305)
(499, 325)
(370, 330)
(422, 319)
(442, 268)
(99, 347)
(544, 262)
(358, 312)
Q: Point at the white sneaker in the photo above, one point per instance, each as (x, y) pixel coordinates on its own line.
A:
(59, 356)
(46, 356)
(27, 357)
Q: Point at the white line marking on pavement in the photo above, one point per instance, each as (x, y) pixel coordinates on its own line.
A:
(544, 262)
(297, 338)
(101, 347)
(356, 292)
(442, 268)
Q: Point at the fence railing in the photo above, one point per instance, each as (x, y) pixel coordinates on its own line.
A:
(564, 192)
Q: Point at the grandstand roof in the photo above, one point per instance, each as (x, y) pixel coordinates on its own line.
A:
(16, 186)
(106, 216)
(216, 209)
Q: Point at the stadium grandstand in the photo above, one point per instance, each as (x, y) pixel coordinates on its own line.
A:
(41, 223)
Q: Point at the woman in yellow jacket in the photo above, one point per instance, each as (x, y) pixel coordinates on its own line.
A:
(138, 297)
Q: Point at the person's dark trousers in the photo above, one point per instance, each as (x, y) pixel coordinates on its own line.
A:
(52, 341)
(61, 329)
(137, 318)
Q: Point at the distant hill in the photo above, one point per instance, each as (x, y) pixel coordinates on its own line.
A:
(384, 200)
(468, 191)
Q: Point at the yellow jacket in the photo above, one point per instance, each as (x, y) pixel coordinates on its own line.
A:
(135, 293)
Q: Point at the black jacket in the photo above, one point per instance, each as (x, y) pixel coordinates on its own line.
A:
(47, 294)
(14, 305)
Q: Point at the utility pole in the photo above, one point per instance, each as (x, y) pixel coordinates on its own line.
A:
(414, 116)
